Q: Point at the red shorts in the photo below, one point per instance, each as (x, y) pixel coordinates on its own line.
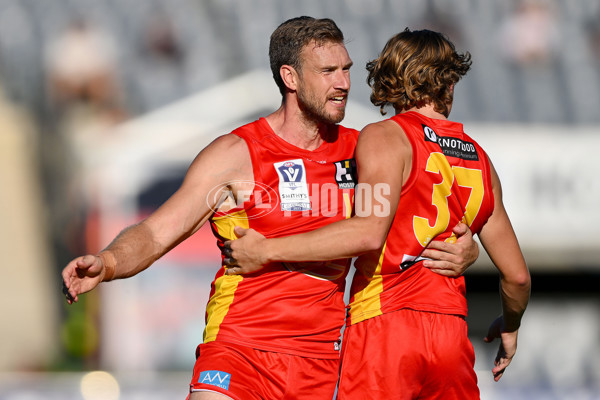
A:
(244, 373)
(407, 355)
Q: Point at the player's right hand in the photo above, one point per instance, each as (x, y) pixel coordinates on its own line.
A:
(82, 275)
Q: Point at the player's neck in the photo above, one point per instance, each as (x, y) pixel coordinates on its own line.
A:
(300, 132)
(427, 110)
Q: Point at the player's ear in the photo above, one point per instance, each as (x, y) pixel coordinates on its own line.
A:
(289, 76)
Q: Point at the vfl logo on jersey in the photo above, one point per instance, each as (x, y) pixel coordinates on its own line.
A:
(291, 172)
(293, 189)
(345, 173)
(451, 147)
(216, 378)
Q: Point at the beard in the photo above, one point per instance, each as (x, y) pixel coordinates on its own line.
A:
(316, 111)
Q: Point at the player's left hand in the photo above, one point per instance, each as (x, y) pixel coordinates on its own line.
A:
(507, 348)
(452, 259)
(243, 255)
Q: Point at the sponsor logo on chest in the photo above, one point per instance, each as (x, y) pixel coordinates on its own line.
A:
(345, 173)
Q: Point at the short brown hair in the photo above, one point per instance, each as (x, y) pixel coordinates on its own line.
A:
(288, 40)
(416, 68)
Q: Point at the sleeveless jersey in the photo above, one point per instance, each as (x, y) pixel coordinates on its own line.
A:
(449, 182)
(294, 308)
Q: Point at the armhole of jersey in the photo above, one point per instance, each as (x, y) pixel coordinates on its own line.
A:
(256, 166)
(414, 170)
(238, 211)
(488, 180)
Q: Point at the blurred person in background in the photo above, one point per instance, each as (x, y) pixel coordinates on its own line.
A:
(81, 67)
(439, 17)
(592, 30)
(406, 334)
(530, 35)
(274, 335)
(529, 49)
(160, 76)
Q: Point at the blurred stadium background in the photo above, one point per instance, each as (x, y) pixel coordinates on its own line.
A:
(104, 103)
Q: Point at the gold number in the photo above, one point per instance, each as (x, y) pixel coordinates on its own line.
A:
(465, 177)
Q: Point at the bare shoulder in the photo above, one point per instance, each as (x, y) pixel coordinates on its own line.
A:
(226, 150)
(227, 146)
(225, 159)
(384, 136)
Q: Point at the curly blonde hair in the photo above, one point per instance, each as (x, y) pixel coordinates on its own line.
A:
(416, 68)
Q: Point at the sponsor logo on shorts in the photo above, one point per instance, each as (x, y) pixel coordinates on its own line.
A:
(216, 378)
(345, 173)
(451, 146)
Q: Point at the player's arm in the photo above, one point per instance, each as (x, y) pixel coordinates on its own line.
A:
(139, 245)
(383, 154)
(500, 242)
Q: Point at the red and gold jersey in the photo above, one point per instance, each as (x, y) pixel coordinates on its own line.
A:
(449, 182)
(295, 308)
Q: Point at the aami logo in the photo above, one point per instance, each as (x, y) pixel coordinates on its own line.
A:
(291, 172)
(345, 173)
(451, 146)
(216, 378)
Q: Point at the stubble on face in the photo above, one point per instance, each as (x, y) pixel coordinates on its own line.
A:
(315, 93)
(315, 109)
